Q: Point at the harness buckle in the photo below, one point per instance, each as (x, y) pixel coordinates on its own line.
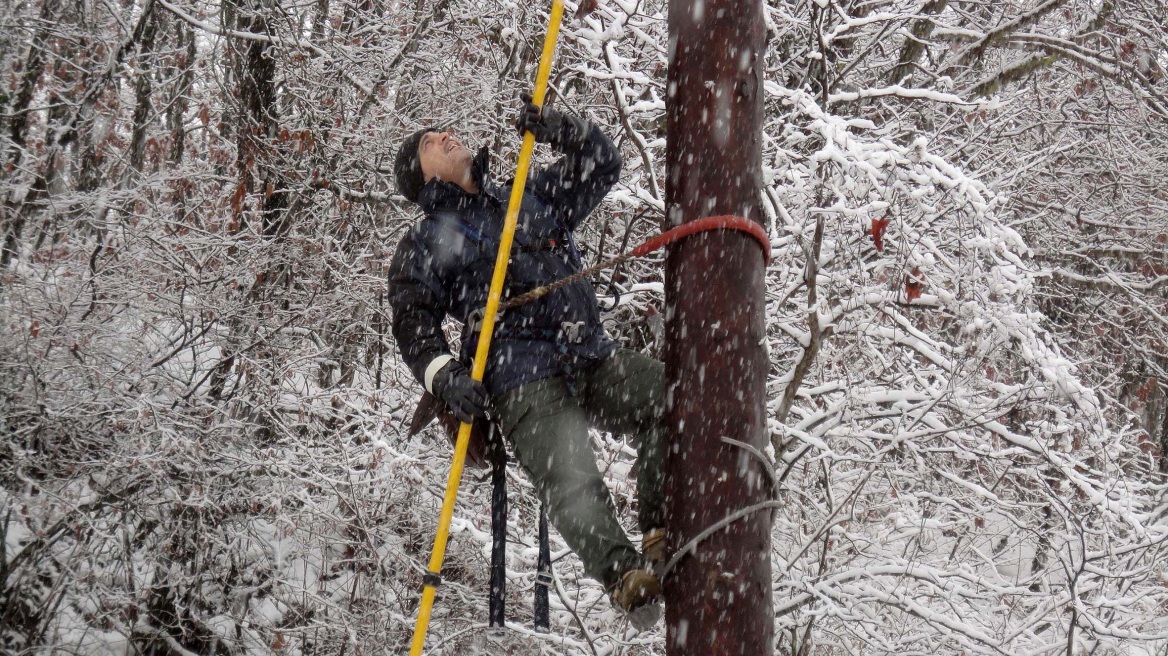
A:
(474, 321)
(572, 331)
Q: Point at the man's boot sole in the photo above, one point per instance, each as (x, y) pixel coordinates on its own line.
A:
(645, 617)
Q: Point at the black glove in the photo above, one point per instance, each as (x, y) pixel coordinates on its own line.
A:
(465, 396)
(550, 126)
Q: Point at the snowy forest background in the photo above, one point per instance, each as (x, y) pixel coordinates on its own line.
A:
(203, 413)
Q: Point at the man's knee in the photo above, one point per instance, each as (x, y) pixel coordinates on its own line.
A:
(627, 393)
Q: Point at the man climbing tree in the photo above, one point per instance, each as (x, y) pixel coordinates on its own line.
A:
(553, 372)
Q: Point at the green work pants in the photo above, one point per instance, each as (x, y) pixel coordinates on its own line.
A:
(547, 426)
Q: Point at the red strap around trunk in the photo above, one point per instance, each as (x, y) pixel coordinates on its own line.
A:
(704, 225)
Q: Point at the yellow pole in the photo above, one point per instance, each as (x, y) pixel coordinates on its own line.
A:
(480, 359)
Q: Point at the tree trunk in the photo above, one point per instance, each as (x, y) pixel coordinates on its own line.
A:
(18, 112)
(719, 595)
(178, 108)
(142, 107)
(14, 215)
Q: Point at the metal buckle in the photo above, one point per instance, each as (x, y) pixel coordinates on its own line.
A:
(572, 331)
(474, 322)
(545, 579)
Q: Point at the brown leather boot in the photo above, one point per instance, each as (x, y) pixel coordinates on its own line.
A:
(636, 588)
(637, 593)
(653, 548)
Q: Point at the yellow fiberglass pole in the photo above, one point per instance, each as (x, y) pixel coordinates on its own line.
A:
(480, 360)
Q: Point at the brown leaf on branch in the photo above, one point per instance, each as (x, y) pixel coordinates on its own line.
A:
(914, 284)
(1146, 389)
(877, 232)
(237, 199)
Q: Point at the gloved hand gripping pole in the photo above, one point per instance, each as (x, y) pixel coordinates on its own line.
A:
(433, 575)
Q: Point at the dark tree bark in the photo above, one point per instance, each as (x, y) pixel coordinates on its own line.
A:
(143, 108)
(33, 65)
(719, 595)
(259, 125)
(14, 214)
(178, 107)
(254, 69)
(913, 48)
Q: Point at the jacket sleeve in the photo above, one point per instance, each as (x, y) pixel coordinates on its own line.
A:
(579, 181)
(419, 300)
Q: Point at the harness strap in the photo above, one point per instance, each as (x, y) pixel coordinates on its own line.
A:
(568, 332)
(544, 245)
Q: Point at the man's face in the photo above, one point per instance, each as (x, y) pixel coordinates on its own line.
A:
(444, 157)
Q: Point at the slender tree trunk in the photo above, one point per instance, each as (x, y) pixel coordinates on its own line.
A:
(33, 65)
(18, 211)
(719, 595)
(143, 109)
(256, 78)
(178, 108)
(913, 48)
(184, 72)
(254, 71)
(14, 218)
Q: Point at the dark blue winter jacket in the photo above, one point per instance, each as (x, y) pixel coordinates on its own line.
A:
(443, 266)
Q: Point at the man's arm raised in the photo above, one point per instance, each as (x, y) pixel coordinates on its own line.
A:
(590, 166)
